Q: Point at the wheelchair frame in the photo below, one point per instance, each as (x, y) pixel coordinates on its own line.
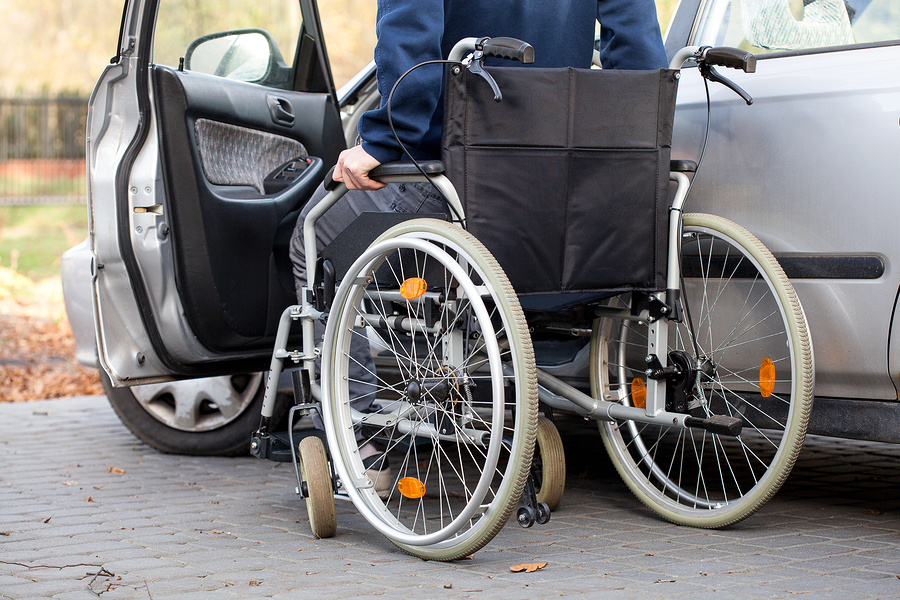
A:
(644, 473)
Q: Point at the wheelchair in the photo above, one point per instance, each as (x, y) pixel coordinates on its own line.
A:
(702, 389)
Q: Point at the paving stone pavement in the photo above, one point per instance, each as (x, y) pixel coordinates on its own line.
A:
(86, 510)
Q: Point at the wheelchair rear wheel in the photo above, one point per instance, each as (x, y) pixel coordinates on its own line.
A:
(455, 396)
(752, 358)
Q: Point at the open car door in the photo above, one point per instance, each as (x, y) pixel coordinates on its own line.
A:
(207, 135)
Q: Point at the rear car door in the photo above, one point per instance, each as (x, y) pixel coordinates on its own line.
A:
(207, 134)
(809, 167)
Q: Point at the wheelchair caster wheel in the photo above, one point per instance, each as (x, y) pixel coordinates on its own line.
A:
(526, 516)
(317, 483)
(543, 513)
(548, 469)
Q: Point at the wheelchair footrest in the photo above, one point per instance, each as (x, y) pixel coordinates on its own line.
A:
(276, 446)
(719, 424)
(271, 446)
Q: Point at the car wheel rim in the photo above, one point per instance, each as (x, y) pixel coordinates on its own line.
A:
(197, 405)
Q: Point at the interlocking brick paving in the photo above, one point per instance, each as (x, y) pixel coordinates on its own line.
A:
(72, 526)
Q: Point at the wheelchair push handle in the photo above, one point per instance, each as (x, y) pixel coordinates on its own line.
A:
(709, 58)
(731, 57)
(509, 48)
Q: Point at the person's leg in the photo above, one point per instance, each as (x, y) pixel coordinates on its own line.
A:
(406, 198)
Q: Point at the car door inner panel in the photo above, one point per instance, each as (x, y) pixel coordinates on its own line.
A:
(236, 179)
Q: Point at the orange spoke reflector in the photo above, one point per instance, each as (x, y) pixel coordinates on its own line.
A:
(639, 392)
(767, 378)
(411, 487)
(413, 288)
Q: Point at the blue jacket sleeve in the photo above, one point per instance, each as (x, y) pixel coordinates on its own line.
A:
(409, 32)
(629, 35)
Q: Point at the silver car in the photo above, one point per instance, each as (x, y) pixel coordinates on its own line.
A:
(205, 143)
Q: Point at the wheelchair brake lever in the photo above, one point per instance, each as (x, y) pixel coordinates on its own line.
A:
(710, 73)
(477, 67)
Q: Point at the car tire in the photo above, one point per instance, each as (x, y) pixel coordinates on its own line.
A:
(205, 435)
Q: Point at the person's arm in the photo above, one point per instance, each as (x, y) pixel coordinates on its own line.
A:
(353, 168)
(629, 35)
(409, 32)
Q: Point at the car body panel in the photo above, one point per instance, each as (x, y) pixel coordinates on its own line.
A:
(75, 273)
(808, 168)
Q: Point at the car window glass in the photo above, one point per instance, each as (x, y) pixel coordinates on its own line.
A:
(349, 29)
(234, 39)
(762, 26)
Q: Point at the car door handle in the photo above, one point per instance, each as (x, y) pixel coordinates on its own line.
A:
(281, 110)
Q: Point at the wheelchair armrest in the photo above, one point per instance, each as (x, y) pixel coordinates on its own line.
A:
(683, 166)
(393, 169)
(405, 167)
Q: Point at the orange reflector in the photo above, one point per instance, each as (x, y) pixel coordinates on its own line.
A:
(413, 288)
(767, 377)
(411, 487)
(638, 393)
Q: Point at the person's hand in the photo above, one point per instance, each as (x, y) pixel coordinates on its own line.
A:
(353, 168)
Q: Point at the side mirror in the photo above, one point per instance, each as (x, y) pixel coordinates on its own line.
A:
(248, 55)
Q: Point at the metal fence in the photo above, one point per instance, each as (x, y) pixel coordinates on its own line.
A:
(42, 151)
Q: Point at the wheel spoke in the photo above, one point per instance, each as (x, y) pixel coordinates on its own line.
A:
(738, 294)
(436, 385)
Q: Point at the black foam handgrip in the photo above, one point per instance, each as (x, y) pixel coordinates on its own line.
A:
(329, 183)
(511, 48)
(731, 57)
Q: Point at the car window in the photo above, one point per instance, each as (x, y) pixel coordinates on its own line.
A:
(762, 26)
(246, 40)
(349, 30)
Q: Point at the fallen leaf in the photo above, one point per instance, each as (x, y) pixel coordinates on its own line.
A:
(872, 511)
(256, 582)
(527, 567)
(42, 358)
(449, 586)
(4, 533)
(89, 500)
(116, 471)
(47, 520)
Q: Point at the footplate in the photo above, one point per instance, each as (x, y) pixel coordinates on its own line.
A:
(271, 446)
